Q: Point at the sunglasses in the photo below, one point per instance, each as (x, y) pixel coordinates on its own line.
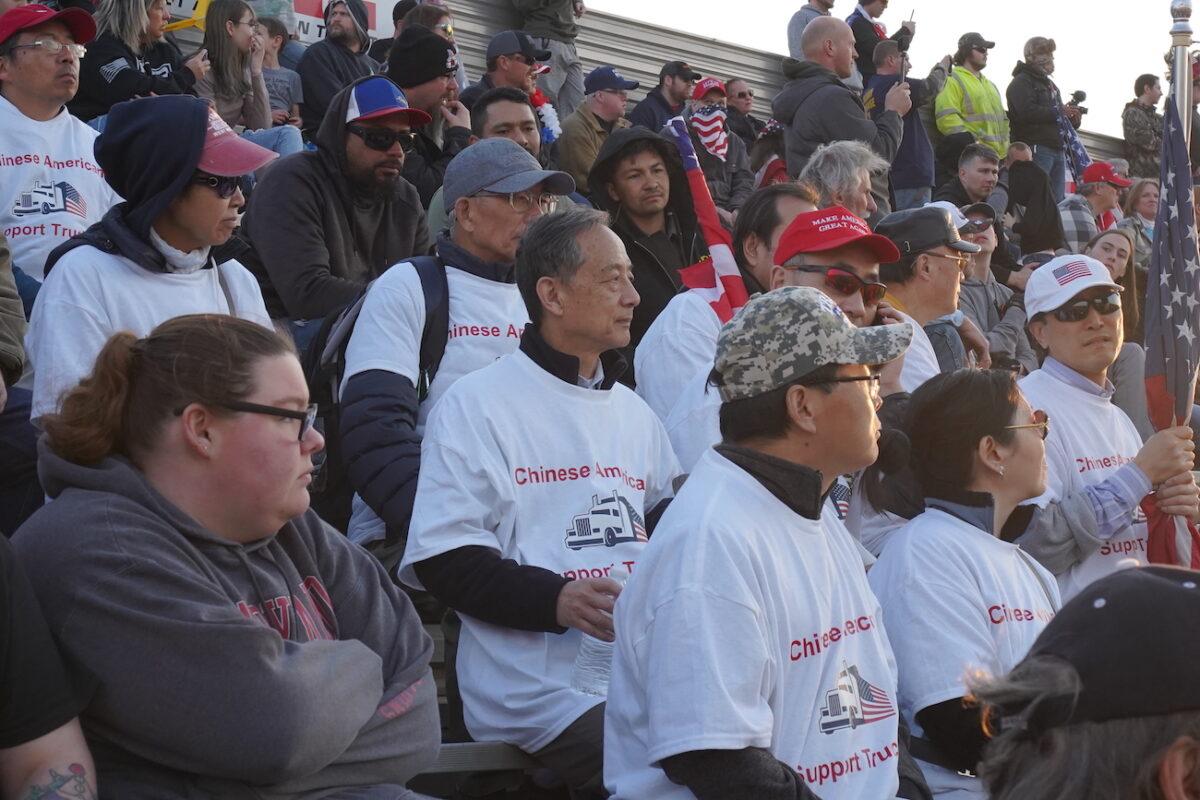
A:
(445, 28)
(748, 94)
(1040, 420)
(1078, 310)
(223, 185)
(382, 139)
(975, 226)
(844, 282)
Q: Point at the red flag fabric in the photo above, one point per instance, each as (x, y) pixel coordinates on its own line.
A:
(716, 278)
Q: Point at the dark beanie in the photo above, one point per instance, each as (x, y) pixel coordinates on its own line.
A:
(420, 55)
(149, 151)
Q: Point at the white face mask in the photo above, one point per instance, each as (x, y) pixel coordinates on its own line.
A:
(709, 124)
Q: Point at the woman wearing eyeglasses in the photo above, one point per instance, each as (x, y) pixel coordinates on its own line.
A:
(229, 643)
(152, 257)
(957, 598)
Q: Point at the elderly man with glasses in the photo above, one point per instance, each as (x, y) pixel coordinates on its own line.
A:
(1074, 309)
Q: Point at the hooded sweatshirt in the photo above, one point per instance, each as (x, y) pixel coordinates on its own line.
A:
(319, 241)
(282, 668)
(327, 66)
(817, 109)
(656, 259)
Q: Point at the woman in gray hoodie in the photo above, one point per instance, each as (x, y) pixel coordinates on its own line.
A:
(227, 641)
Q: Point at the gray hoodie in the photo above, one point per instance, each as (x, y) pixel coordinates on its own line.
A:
(987, 303)
(290, 667)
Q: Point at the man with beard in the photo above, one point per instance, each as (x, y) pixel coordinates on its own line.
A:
(971, 103)
(326, 223)
(675, 83)
(336, 61)
(1036, 109)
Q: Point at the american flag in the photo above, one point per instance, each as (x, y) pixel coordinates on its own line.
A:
(709, 124)
(715, 278)
(874, 702)
(72, 200)
(1173, 329)
(1072, 271)
(840, 493)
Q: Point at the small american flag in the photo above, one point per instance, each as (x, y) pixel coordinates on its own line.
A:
(72, 200)
(1070, 272)
(875, 703)
(839, 493)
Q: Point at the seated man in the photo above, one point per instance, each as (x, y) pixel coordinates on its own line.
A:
(602, 112)
(841, 173)
(177, 165)
(724, 158)
(539, 482)
(512, 60)
(336, 61)
(495, 190)
(325, 223)
(729, 662)
(1074, 309)
(53, 188)
(675, 82)
(1098, 195)
(981, 179)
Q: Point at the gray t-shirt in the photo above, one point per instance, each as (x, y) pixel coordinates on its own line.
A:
(283, 86)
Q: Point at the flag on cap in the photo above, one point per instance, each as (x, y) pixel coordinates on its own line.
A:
(716, 278)
(1172, 330)
(1072, 271)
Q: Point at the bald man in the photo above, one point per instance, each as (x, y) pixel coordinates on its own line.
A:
(818, 108)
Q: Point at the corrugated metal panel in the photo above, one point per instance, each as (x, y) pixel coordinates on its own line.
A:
(639, 50)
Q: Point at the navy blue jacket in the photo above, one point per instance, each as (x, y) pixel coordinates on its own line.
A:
(653, 112)
(912, 168)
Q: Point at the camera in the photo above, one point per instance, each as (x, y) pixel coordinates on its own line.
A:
(1078, 97)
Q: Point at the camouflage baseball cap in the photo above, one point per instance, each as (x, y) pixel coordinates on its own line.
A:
(783, 335)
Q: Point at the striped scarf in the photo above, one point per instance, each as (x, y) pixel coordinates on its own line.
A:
(709, 124)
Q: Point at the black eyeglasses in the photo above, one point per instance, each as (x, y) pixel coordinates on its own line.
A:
(305, 417)
(1040, 420)
(382, 139)
(846, 282)
(223, 185)
(1077, 310)
(873, 378)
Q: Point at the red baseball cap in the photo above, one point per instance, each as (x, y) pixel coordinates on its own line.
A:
(1103, 172)
(828, 229)
(227, 154)
(707, 85)
(22, 18)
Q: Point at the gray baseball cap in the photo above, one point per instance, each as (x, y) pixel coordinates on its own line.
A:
(783, 335)
(498, 165)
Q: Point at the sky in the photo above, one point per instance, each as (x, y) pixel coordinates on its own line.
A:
(1103, 45)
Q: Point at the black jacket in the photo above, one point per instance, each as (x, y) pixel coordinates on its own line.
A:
(657, 281)
(746, 126)
(327, 67)
(1032, 103)
(865, 40)
(816, 108)
(476, 90)
(110, 72)
(425, 166)
(317, 243)
(654, 111)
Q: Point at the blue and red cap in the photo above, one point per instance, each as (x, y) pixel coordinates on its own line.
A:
(378, 97)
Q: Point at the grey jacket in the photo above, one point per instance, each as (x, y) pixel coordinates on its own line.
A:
(988, 303)
(288, 667)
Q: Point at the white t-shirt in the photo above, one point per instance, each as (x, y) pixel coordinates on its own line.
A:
(748, 625)
(90, 295)
(1090, 439)
(548, 474)
(52, 186)
(681, 342)
(920, 361)
(956, 599)
(694, 423)
(486, 319)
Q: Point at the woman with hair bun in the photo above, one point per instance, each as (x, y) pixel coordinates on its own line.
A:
(229, 643)
(956, 597)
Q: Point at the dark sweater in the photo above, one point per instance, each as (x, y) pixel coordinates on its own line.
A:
(110, 72)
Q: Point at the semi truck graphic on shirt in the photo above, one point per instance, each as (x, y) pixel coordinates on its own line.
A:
(609, 522)
(49, 198)
(853, 702)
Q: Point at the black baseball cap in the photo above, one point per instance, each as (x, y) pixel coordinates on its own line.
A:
(505, 43)
(679, 69)
(1134, 639)
(974, 40)
(919, 229)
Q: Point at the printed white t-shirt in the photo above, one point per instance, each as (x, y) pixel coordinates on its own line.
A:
(486, 319)
(90, 295)
(548, 474)
(52, 186)
(1090, 439)
(681, 342)
(956, 599)
(748, 625)
(920, 361)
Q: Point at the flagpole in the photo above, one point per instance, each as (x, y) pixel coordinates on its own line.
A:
(1181, 42)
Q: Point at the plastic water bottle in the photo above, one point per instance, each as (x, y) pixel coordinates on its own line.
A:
(593, 663)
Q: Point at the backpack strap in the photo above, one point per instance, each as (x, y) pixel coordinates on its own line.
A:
(432, 273)
(225, 290)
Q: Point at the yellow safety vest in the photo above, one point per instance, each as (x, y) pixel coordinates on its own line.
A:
(970, 102)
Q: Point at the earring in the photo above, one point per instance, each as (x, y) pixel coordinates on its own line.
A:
(1001, 468)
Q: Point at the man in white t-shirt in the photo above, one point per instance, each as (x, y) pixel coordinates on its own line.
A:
(1074, 309)
(750, 659)
(680, 342)
(540, 481)
(53, 188)
(496, 189)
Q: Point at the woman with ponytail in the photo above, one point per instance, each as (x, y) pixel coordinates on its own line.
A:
(957, 597)
(230, 643)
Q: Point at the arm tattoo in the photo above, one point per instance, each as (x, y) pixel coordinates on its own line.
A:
(69, 785)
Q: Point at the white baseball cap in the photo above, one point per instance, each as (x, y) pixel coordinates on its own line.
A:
(1053, 284)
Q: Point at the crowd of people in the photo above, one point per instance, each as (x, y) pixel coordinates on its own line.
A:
(794, 457)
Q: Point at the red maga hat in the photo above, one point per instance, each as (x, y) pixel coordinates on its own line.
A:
(829, 229)
(22, 18)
